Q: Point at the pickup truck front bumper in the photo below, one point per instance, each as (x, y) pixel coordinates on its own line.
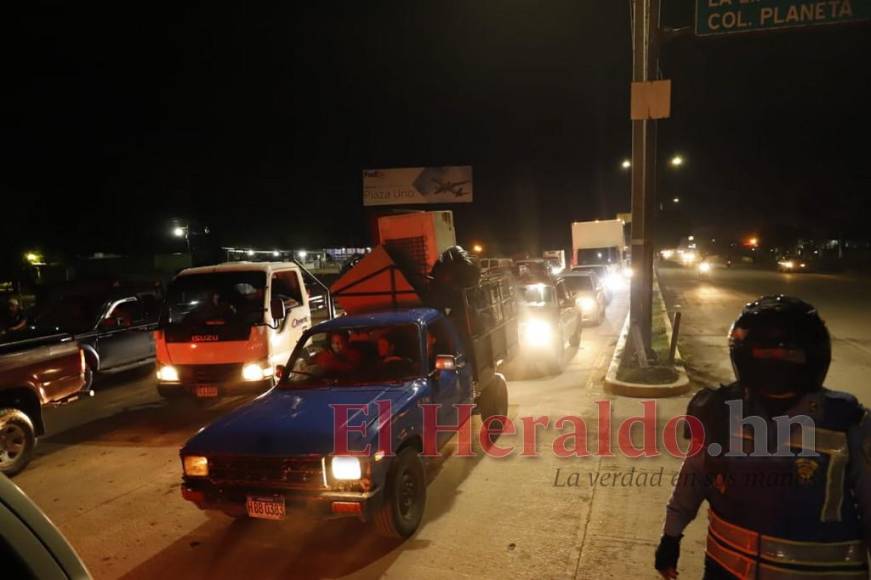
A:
(317, 504)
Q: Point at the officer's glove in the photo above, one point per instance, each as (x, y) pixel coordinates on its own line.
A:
(667, 554)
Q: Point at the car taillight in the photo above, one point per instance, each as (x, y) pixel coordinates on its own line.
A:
(82, 359)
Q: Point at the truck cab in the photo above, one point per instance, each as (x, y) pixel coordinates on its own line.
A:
(280, 453)
(224, 328)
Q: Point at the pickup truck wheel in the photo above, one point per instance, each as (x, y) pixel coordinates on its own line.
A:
(17, 439)
(404, 497)
(494, 399)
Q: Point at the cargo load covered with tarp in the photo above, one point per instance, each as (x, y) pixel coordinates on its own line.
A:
(482, 308)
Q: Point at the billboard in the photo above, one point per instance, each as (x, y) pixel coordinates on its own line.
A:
(417, 185)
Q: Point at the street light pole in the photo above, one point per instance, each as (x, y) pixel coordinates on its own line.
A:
(645, 22)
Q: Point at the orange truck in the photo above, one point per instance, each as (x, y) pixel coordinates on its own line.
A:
(225, 328)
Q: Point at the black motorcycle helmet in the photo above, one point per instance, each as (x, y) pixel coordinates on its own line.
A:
(780, 345)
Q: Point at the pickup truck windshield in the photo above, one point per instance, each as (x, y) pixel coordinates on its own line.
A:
(356, 356)
(538, 295)
(217, 298)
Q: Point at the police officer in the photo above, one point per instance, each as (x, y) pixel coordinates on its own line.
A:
(802, 507)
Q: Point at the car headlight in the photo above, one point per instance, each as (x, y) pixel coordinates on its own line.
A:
(586, 304)
(346, 468)
(537, 332)
(787, 264)
(167, 374)
(257, 372)
(615, 281)
(195, 465)
(704, 267)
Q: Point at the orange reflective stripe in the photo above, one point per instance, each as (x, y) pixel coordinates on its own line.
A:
(740, 566)
(735, 536)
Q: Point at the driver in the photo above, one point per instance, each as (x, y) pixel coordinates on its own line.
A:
(341, 357)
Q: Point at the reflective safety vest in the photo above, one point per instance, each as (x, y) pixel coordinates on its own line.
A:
(749, 554)
(787, 516)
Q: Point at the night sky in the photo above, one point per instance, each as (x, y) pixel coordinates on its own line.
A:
(258, 121)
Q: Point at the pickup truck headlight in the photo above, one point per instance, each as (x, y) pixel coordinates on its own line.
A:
(537, 332)
(195, 466)
(167, 374)
(257, 372)
(586, 304)
(346, 468)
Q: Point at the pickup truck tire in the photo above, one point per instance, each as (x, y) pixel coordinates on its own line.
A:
(494, 399)
(17, 439)
(404, 497)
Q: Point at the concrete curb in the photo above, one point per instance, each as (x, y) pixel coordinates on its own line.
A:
(622, 388)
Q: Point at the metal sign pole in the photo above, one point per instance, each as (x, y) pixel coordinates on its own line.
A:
(645, 23)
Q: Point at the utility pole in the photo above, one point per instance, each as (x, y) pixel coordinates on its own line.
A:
(645, 24)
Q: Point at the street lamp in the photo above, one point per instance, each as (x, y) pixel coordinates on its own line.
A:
(676, 161)
(477, 248)
(626, 164)
(178, 232)
(302, 254)
(676, 200)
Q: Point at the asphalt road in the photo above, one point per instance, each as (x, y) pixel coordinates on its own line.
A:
(108, 475)
(710, 304)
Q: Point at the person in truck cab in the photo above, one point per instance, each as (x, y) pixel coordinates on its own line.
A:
(341, 358)
(13, 318)
(217, 308)
(391, 364)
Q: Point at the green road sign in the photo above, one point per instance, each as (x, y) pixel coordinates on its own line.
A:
(715, 17)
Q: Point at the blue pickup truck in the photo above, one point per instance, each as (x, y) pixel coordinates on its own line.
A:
(312, 442)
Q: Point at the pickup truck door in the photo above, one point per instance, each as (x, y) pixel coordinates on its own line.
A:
(124, 335)
(448, 387)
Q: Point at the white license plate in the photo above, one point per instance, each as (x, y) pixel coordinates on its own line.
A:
(266, 508)
(206, 391)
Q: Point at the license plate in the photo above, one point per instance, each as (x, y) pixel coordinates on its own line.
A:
(266, 508)
(206, 391)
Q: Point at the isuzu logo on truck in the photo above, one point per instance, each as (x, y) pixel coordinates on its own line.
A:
(205, 338)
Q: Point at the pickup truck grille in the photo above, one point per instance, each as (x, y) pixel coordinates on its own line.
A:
(292, 472)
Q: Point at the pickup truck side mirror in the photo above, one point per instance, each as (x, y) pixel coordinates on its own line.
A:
(277, 310)
(445, 362)
(279, 373)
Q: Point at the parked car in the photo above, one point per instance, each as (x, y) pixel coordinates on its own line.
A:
(34, 372)
(589, 295)
(114, 325)
(548, 319)
(31, 547)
